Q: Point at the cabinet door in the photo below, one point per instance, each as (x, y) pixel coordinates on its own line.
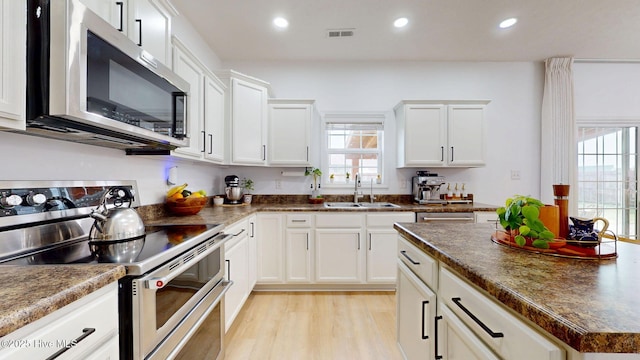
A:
(298, 250)
(150, 28)
(339, 255)
(465, 135)
(289, 134)
(425, 135)
(270, 248)
(249, 115)
(12, 64)
(112, 11)
(187, 68)
(457, 342)
(237, 261)
(416, 311)
(214, 119)
(382, 247)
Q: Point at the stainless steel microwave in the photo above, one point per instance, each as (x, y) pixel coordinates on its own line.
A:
(87, 82)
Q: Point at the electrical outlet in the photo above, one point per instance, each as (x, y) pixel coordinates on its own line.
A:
(515, 174)
(403, 184)
(278, 184)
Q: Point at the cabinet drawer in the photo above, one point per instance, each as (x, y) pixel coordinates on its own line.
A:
(94, 316)
(299, 220)
(423, 265)
(239, 230)
(486, 217)
(341, 220)
(387, 220)
(502, 331)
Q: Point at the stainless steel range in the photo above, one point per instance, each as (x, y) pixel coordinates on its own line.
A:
(174, 289)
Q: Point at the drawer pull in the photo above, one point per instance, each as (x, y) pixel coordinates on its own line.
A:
(435, 343)
(424, 337)
(298, 221)
(404, 253)
(239, 232)
(484, 327)
(85, 332)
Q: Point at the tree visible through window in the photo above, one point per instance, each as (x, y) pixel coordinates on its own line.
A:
(608, 177)
(354, 148)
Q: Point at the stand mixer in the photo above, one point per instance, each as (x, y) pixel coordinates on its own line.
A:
(426, 188)
(233, 190)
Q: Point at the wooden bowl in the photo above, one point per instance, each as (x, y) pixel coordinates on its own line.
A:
(186, 206)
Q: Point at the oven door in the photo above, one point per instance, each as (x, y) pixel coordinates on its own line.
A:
(168, 304)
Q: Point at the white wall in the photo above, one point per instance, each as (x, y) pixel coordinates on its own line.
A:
(513, 116)
(607, 90)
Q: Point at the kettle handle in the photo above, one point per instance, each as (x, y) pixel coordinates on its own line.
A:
(605, 221)
(115, 192)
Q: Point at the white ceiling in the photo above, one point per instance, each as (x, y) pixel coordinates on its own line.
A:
(439, 30)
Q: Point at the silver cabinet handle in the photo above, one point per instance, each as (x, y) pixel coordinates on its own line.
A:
(298, 221)
(239, 232)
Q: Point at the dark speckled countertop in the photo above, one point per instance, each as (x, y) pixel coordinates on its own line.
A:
(32, 292)
(591, 305)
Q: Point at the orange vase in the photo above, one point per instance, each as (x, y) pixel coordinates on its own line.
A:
(550, 217)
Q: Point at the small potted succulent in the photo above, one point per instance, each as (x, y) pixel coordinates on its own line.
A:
(331, 178)
(247, 184)
(348, 177)
(520, 217)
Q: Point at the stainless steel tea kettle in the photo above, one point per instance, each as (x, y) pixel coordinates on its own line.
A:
(118, 223)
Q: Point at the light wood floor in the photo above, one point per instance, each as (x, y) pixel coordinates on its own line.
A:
(315, 325)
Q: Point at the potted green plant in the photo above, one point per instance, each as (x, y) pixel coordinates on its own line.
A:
(348, 176)
(316, 173)
(331, 178)
(520, 217)
(247, 185)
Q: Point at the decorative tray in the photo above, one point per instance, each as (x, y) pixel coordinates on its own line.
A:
(606, 248)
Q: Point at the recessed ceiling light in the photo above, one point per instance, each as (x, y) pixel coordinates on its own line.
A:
(280, 22)
(508, 23)
(401, 22)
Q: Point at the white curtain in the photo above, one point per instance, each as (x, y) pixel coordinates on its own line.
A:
(557, 141)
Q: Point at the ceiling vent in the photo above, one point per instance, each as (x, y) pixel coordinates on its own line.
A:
(339, 33)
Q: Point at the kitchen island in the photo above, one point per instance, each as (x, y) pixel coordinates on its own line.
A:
(589, 305)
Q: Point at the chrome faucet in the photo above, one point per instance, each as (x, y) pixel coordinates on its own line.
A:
(372, 197)
(356, 196)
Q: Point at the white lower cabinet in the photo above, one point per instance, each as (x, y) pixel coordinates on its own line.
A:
(299, 246)
(270, 249)
(236, 252)
(416, 311)
(466, 323)
(382, 245)
(339, 248)
(88, 327)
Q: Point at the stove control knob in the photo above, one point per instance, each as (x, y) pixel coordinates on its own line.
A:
(10, 200)
(36, 199)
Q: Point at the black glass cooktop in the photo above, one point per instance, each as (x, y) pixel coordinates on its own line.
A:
(158, 239)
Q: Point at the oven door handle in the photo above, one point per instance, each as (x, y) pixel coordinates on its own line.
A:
(155, 283)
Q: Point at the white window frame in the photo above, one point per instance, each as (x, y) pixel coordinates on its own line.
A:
(609, 122)
(353, 118)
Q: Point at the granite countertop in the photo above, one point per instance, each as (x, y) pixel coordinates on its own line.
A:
(591, 305)
(228, 214)
(32, 292)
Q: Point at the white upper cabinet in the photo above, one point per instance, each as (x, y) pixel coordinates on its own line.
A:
(214, 127)
(290, 124)
(12, 64)
(145, 22)
(441, 133)
(246, 118)
(205, 125)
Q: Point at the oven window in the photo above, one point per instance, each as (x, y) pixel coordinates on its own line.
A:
(182, 288)
(120, 88)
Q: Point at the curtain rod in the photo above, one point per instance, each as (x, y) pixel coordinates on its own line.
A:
(621, 61)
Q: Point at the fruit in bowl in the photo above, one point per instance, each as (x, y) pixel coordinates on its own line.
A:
(181, 201)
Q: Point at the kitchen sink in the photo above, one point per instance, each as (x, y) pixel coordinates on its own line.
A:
(362, 205)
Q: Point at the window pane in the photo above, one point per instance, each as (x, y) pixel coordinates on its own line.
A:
(354, 149)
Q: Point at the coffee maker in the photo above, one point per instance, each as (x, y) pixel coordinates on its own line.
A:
(233, 190)
(425, 187)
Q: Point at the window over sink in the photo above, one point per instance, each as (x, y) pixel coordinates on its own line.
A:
(354, 144)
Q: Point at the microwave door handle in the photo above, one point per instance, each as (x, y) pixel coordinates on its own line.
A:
(154, 282)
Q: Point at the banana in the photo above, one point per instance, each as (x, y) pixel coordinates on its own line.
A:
(176, 189)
